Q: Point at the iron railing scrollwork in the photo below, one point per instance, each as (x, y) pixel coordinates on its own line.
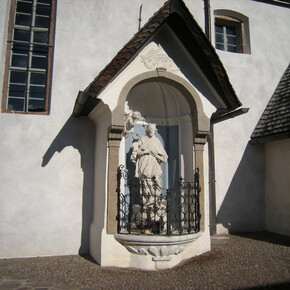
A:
(146, 208)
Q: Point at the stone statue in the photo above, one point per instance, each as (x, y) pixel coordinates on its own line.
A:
(130, 120)
(148, 153)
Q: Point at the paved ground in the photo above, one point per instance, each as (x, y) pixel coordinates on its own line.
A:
(248, 261)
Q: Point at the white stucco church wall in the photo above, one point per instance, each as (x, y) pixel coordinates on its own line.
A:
(240, 166)
(47, 174)
(46, 165)
(277, 203)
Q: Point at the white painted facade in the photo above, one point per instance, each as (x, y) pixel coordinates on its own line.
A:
(277, 203)
(240, 170)
(48, 178)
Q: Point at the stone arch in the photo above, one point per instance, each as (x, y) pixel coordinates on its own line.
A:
(200, 127)
(201, 124)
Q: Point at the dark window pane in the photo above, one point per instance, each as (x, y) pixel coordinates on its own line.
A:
(20, 48)
(42, 22)
(232, 48)
(23, 35)
(41, 37)
(39, 50)
(19, 60)
(231, 39)
(38, 78)
(220, 46)
(37, 92)
(219, 28)
(44, 1)
(17, 91)
(43, 10)
(231, 30)
(19, 77)
(24, 7)
(39, 62)
(219, 38)
(36, 105)
(16, 104)
(23, 19)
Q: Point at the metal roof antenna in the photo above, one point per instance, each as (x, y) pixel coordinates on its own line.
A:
(140, 17)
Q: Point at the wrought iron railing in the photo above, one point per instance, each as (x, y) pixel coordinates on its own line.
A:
(146, 208)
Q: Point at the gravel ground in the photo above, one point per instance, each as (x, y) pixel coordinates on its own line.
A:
(256, 260)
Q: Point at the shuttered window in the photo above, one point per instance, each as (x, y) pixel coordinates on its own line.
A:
(29, 56)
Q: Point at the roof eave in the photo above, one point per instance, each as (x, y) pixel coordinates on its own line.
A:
(192, 37)
(270, 138)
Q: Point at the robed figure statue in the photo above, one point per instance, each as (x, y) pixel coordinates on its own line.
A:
(148, 153)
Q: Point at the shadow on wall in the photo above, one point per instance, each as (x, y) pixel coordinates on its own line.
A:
(243, 209)
(80, 134)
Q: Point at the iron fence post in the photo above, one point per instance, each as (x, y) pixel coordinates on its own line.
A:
(160, 211)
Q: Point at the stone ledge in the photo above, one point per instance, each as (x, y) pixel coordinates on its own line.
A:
(160, 247)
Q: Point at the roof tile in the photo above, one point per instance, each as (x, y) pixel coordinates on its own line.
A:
(275, 120)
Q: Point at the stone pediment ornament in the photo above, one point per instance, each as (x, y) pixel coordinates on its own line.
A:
(156, 58)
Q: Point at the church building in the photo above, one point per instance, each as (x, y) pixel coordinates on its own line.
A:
(136, 130)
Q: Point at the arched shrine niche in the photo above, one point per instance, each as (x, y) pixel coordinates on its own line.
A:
(165, 203)
(160, 102)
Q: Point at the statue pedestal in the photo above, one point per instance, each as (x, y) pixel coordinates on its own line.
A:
(161, 248)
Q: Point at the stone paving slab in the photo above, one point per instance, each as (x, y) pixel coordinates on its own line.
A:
(248, 261)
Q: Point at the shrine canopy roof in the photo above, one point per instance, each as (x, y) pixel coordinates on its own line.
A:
(274, 123)
(177, 16)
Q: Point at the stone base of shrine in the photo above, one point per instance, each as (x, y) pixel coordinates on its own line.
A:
(149, 252)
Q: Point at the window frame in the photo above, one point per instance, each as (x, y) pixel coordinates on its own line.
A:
(240, 22)
(12, 26)
(232, 23)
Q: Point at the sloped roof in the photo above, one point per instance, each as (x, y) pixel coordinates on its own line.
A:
(275, 121)
(178, 17)
(282, 3)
